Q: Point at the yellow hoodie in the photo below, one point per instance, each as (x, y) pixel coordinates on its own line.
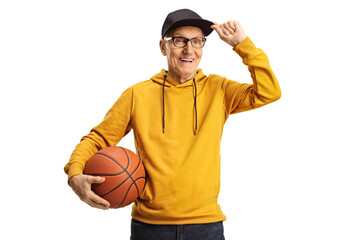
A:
(177, 130)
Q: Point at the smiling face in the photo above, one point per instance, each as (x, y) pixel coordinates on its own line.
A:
(182, 62)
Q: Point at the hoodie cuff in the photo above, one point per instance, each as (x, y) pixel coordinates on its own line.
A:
(74, 169)
(245, 49)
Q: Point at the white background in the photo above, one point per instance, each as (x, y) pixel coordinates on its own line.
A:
(290, 170)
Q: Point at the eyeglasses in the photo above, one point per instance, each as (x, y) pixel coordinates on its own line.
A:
(181, 42)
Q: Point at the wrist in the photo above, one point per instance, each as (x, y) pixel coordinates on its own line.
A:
(238, 41)
(71, 179)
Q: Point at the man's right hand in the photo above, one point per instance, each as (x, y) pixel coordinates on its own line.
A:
(81, 185)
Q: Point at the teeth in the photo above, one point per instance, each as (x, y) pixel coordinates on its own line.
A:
(186, 59)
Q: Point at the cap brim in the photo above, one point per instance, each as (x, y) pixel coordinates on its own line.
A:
(203, 24)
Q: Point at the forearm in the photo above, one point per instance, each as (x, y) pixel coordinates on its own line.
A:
(265, 88)
(109, 132)
(240, 97)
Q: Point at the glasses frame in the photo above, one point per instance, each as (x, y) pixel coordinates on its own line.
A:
(187, 40)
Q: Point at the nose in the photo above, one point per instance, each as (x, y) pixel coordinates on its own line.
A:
(189, 48)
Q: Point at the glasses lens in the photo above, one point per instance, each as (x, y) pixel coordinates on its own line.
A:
(198, 42)
(180, 41)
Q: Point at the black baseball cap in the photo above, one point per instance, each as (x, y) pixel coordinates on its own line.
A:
(185, 17)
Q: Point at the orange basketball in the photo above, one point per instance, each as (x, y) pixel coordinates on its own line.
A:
(124, 173)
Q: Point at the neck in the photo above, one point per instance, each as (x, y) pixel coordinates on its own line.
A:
(181, 78)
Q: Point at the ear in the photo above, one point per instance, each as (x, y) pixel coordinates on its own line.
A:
(162, 47)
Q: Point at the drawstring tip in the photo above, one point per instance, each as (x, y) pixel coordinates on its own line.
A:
(163, 130)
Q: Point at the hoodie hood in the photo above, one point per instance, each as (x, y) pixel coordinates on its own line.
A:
(166, 81)
(170, 82)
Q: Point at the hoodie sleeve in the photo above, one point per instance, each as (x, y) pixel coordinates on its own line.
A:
(115, 125)
(265, 89)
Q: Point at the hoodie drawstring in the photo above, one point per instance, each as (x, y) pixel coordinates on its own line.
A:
(195, 107)
(165, 76)
(164, 103)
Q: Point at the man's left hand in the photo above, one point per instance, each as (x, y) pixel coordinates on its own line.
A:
(230, 32)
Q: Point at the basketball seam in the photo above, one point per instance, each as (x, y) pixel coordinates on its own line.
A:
(134, 183)
(114, 188)
(107, 175)
(133, 171)
(124, 170)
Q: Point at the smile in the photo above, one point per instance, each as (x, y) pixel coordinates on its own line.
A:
(186, 60)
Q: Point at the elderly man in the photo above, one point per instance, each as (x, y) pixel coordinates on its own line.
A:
(177, 117)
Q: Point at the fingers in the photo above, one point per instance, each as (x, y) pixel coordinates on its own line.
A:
(217, 28)
(96, 201)
(230, 32)
(93, 179)
(91, 198)
(81, 184)
(221, 31)
(225, 29)
(232, 25)
(228, 29)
